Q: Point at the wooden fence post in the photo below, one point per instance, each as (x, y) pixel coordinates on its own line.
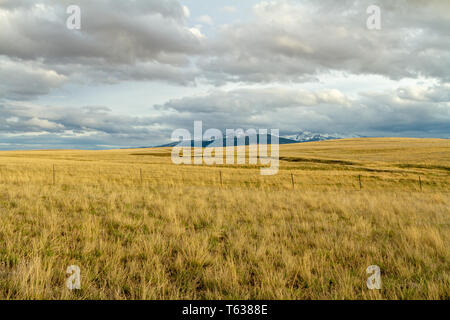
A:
(221, 182)
(360, 184)
(293, 183)
(420, 183)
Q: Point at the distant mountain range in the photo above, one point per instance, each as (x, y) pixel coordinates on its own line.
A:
(302, 136)
(237, 141)
(306, 136)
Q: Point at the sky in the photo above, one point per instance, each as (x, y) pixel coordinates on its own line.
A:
(137, 70)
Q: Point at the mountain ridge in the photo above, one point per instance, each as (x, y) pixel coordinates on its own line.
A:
(302, 136)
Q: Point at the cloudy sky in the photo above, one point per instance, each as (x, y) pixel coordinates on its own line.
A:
(137, 70)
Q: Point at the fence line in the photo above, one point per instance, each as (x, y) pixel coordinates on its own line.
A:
(177, 176)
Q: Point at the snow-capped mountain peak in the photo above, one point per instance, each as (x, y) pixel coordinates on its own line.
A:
(305, 136)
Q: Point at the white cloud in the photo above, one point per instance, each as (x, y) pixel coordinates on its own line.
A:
(196, 32)
(205, 19)
(186, 11)
(43, 124)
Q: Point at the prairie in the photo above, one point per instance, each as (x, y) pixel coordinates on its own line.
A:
(140, 227)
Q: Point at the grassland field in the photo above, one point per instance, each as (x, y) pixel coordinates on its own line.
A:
(140, 227)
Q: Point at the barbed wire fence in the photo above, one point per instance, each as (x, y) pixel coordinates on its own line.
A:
(182, 176)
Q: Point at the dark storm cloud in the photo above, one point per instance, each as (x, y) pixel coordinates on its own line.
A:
(114, 31)
(283, 41)
(19, 118)
(24, 80)
(118, 41)
(26, 126)
(414, 110)
(288, 40)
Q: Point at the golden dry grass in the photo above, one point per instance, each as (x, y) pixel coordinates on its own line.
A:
(181, 235)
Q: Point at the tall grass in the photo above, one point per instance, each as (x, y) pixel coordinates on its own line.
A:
(180, 234)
